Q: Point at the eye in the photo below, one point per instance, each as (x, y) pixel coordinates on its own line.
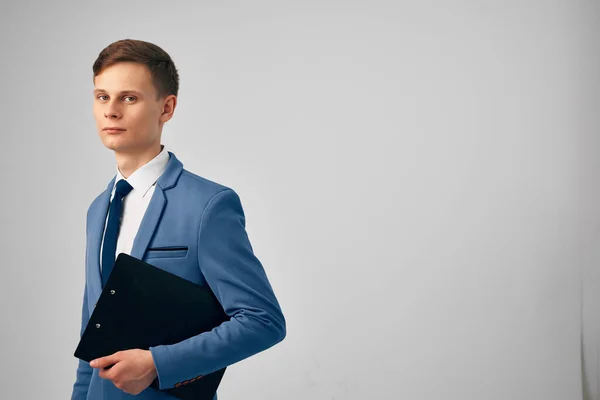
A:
(130, 97)
(99, 97)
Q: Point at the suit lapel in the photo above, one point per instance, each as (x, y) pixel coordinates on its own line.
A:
(147, 227)
(96, 230)
(155, 209)
(149, 222)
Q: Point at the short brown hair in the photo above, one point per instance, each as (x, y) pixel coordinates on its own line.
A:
(162, 69)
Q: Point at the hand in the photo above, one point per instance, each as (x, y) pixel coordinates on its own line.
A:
(132, 372)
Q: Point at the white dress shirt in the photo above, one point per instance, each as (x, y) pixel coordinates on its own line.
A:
(143, 180)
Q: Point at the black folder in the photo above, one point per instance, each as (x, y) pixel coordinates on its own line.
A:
(143, 306)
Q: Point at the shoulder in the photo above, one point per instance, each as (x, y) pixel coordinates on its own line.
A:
(96, 200)
(200, 186)
(198, 195)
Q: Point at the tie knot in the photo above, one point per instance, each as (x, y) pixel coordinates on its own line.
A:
(123, 188)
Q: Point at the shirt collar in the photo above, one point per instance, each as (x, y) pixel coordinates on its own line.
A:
(143, 178)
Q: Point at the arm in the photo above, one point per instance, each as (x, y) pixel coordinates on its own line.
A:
(84, 371)
(240, 283)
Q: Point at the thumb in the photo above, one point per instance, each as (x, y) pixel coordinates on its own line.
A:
(105, 361)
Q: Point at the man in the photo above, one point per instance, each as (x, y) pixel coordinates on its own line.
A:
(174, 220)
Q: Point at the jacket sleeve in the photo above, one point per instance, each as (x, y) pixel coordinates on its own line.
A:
(84, 370)
(239, 282)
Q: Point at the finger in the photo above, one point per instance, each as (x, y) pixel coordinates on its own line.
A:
(103, 362)
(109, 373)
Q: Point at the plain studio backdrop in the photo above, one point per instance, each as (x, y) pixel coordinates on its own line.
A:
(420, 181)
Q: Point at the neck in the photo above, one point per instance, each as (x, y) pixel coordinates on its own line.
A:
(128, 163)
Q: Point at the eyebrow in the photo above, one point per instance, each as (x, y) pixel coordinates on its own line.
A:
(121, 92)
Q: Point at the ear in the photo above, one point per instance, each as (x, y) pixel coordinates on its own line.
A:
(168, 108)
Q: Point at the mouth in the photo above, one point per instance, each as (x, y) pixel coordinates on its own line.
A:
(113, 130)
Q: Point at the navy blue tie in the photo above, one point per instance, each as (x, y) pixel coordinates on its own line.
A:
(109, 247)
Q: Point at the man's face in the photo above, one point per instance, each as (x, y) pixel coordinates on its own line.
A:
(125, 97)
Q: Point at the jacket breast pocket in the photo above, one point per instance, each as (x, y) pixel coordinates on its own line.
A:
(166, 252)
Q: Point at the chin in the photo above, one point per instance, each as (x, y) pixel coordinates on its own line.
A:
(115, 144)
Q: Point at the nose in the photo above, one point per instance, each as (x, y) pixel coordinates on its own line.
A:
(112, 111)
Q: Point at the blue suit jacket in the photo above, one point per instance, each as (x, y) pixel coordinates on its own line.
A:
(207, 219)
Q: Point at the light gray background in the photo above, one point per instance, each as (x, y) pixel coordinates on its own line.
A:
(420, 181)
